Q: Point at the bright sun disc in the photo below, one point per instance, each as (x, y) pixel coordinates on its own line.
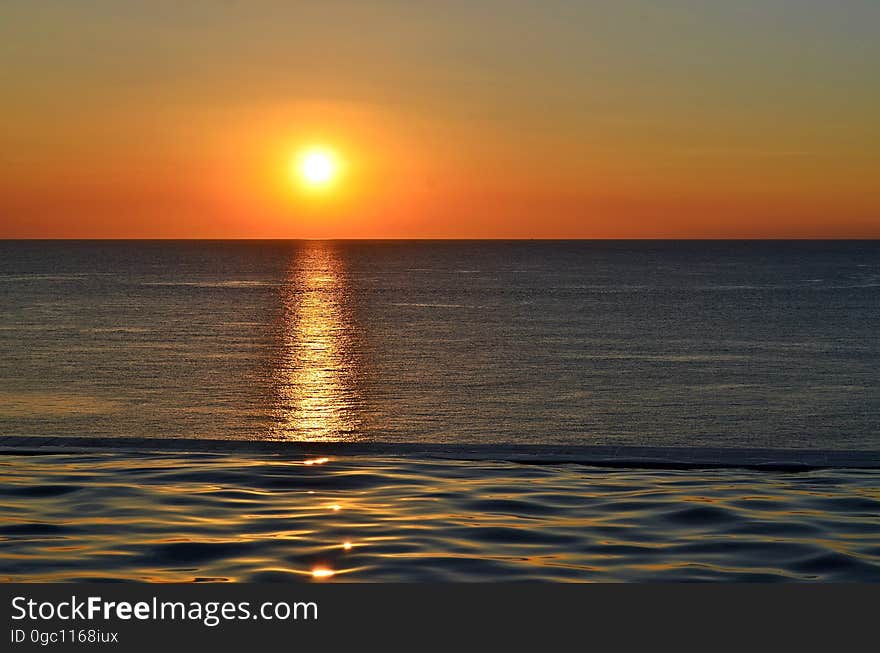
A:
(317, 167)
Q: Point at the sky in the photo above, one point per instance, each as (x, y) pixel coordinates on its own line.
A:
(453, 119)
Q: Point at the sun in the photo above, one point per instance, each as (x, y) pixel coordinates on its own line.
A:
(316, 167)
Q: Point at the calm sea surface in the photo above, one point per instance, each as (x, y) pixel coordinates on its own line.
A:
(696, 351)
(687, 344)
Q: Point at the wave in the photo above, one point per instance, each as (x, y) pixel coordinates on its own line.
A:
(597, 456)
(232, 283)
(193, 517)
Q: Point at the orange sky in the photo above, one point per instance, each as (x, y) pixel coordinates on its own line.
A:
(580, 120)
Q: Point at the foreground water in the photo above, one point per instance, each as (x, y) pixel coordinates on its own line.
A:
(213, 517)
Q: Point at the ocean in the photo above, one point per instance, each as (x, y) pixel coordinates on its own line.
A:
(474, 410)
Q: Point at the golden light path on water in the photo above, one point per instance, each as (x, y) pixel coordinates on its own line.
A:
(315, 376)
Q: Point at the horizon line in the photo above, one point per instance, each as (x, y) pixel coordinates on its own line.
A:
(454, 239)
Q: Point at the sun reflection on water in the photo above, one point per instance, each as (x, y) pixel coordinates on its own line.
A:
(322, 572)
(315, 379)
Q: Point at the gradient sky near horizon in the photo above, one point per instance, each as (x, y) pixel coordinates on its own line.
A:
(508, 119)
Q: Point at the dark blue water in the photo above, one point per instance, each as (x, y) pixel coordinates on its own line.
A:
(691, 344)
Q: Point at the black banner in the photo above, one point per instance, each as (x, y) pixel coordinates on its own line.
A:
(143, 617)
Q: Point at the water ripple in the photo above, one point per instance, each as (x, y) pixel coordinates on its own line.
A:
(215, 517)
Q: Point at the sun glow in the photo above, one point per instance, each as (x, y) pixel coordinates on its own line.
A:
(316, 167)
